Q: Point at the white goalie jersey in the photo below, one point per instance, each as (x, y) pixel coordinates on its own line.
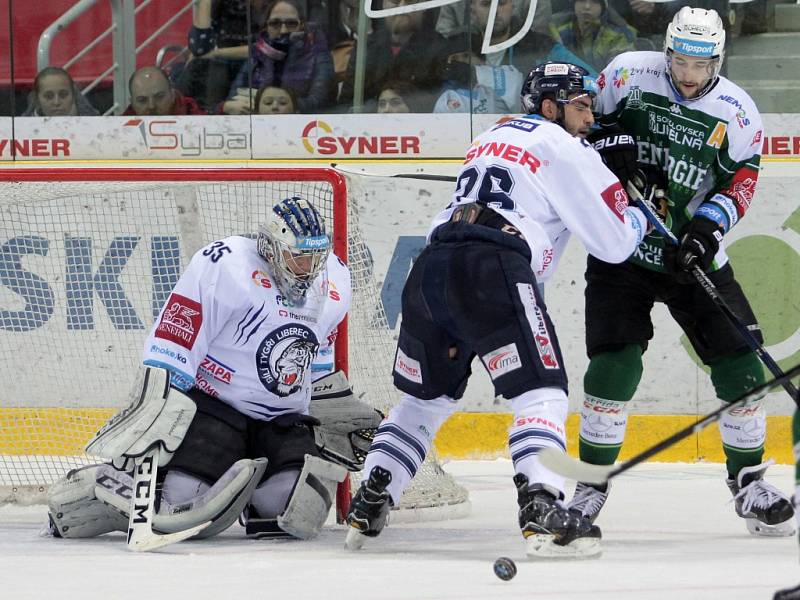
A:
(548, 184)
(227, 330)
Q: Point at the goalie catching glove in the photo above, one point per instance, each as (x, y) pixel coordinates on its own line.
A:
(347, 425)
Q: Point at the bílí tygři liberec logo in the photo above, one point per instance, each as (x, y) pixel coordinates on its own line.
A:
(284, 356)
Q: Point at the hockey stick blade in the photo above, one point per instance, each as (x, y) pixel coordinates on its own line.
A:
(141, 537)
(711, 290)
(563, 464)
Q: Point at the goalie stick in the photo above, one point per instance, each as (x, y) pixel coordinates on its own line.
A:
(563, 464)
(141, 537)
(710, 289)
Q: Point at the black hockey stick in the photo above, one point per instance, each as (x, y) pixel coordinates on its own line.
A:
(422, 176)
(710, 289)
(563, 464)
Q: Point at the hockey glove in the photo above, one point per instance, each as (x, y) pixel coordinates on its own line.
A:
(699, 243)
(617, 149)
(647, 189)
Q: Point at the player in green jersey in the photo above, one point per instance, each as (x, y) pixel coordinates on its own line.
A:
(697, 137)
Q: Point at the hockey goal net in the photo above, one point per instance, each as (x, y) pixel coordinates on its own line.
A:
(87, 258)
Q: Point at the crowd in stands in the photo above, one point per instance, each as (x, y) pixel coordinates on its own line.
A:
(301, 56)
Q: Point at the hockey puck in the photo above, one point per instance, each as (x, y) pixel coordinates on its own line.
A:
(505, 568)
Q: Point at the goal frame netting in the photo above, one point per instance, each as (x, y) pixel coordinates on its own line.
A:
(364, 347)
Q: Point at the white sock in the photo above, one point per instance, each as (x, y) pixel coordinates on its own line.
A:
(404, 438)
(539, 417)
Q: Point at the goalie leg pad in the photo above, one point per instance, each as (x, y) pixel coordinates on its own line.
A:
(221, 503)
(347, 425)
(311, 500)
(157, 413)
(75, 509)
(309, 503)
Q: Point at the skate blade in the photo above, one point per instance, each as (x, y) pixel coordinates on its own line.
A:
(543, 547)
(354, 540)
(757, 528)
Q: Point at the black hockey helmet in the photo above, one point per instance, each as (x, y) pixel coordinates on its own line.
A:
(557, 81)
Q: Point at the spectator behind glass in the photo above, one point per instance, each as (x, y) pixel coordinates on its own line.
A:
(342, 33)
(271, 100)
(398, 97)
(650, 18)
(288, 53)
(406, 49)
(219, 40)
(55, 94)
(152, 95)
(470, 86)
(490, 83)
(590, 33)
(453, 17)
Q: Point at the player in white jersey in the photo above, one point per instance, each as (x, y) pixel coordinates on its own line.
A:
(241, 332)
(526, 184)
(698, 136)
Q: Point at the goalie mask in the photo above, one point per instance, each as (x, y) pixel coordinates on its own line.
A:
(294, 243)
(697, 35)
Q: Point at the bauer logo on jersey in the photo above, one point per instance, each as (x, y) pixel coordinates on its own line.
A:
(541, 334)
(501, 361)
(181, 320)
(616, 199)
(407, 367)
(284, 357)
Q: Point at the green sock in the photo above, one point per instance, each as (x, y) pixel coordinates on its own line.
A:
(610, 382)
(733, 376)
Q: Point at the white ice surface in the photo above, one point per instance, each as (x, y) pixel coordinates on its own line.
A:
(668, 529)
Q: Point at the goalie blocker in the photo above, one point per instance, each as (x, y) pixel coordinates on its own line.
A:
(269, 467)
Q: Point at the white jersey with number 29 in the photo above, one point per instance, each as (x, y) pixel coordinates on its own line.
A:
(548, 184)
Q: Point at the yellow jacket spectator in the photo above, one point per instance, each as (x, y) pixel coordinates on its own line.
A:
(590, 33)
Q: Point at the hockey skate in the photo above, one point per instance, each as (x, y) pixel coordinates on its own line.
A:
(369, 509)
(549, 528)
(588, 500)
(767, 511)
